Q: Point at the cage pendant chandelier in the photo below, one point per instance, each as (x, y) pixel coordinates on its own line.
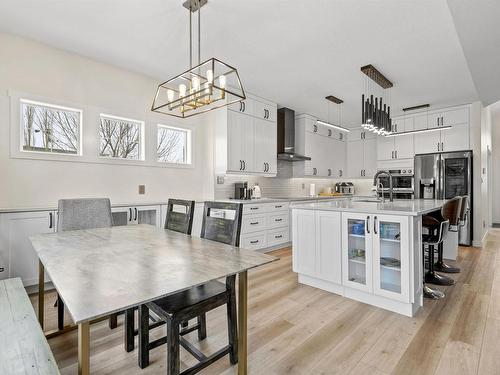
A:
(209, 85)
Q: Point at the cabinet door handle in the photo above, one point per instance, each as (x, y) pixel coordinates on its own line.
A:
(438, 146)
(241, 165)
(51, 220)
(367, 224)
(442, 120)
(396, 154)
(280, 236)
(341, 136)
(254, 242)
(442, 146)
(278, 220)
(437, 122)
(244, 107)
(329, 133)
(278, 206)
(254, 208)
(315, 128)
(135, 217)
(130, 214)
(244, 165)
(392, 154)
(375, 224)
(241, 106)
(341, 173)
(254, 223)
(329, 172)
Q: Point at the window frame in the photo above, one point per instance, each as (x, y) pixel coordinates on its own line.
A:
(23, 101)
(188, 150)
(142, 138)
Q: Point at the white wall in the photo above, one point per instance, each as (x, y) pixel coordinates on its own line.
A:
(33, 68)
(495, 125)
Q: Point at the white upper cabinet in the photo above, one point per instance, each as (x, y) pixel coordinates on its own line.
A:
(403, 145)
(400, 147)
(246, 138)
(454, 139)
(323, 144)
(406, 146)
(361, 154)
(265, 146)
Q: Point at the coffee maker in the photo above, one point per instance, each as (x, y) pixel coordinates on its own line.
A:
(241, 190)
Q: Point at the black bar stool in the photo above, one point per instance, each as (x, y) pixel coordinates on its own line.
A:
(436, 225)
(452, 213)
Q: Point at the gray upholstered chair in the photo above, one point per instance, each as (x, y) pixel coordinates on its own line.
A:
(78, 214)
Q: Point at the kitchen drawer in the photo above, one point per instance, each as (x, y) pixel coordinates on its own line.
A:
(254, 208)
(277, 236)
(278, 220)
(279, 206)
(254, 241)
(253, 223)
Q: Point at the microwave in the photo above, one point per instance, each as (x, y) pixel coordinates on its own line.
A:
(403, 181)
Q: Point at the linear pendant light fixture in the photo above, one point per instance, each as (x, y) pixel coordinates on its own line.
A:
(375, 111)
(209, 85)
(338, 101)
(427, 130)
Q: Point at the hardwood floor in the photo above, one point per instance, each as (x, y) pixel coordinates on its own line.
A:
(296, 329)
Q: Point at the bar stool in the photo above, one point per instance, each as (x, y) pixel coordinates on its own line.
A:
(433, 238)
(436, 225)
(464, 211)
(452, 213)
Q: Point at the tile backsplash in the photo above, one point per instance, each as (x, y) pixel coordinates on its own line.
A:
(284, 185)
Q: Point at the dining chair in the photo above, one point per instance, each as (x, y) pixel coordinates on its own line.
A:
(221, 223)
(179, 218)
(79, 214)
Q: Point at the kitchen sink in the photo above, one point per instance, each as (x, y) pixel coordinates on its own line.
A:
(374, 200)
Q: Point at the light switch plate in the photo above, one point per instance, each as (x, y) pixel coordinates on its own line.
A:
(142, 189)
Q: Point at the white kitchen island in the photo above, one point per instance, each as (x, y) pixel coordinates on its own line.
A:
(367, 251)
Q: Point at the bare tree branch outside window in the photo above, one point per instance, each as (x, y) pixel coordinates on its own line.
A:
(172, 145)
(50, 129)
(120, 138)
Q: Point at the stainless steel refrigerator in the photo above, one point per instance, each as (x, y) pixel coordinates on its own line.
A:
(444, 176)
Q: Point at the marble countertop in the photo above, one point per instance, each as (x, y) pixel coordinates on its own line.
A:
(414, 207)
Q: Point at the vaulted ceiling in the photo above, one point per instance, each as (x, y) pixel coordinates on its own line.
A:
(294, 52)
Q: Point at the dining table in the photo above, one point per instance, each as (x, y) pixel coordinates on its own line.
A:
(100, 272)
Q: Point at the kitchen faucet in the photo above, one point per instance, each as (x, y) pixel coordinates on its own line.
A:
(376, 182)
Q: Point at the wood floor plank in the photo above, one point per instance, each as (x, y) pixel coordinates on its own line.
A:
(297, 329)
(458, 358)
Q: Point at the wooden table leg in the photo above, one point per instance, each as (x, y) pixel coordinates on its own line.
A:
(41, 292)
(84, 348)
(242, 322)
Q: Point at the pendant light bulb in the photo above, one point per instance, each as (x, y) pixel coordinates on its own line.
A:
(222, 81)
(170, 95)
(182, 90)
(210, 76)
(195, 83)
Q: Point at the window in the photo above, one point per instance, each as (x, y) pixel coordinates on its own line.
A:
(121, 138)
(174, 145)
(49, 128)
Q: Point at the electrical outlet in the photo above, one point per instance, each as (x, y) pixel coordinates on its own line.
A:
(303, 186)
(142, 189)
(220, 180)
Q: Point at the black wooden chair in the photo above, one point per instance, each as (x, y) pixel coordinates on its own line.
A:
(222, 223)
(179, 218)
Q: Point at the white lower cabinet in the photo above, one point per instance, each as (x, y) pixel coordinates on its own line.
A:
(304, 242)
(264, 225)
(328, 235)
(17, 256)
(375, 255)
(137, 215)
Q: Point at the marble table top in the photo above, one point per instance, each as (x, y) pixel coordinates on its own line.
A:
(101, 271)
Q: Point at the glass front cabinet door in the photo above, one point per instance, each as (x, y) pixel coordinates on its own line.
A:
(391, 257)
(357, 251)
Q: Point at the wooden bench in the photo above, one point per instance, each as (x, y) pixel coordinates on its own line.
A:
(23, 347)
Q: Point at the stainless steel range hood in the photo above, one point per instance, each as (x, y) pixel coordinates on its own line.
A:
(286, 136)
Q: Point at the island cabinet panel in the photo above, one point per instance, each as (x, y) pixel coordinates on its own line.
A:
(328, 246)
(357, 251)
(391, 265)
(375, 254)
(304, 242)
